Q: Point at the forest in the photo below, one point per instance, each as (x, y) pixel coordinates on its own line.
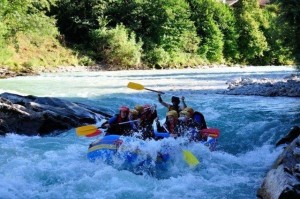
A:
(133, 34)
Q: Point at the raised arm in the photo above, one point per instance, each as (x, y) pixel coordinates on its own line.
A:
(183, 102)
(162, 102)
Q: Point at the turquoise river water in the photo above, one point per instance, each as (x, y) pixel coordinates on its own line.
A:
(57, 166)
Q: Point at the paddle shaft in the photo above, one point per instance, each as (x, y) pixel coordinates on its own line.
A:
(91, 129)
(154, 91)
(128, 122)
(121, 123)
(165, 128)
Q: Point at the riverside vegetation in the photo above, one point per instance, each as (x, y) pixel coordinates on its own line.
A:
(132, 34)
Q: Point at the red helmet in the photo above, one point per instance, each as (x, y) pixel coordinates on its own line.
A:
(124, 108)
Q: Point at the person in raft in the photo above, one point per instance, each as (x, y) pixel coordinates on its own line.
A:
(198, 122)
(147, 115)
(175, 103)
(198, 118)
(185, 123)
(134, 118)
(113, 125)
(171, 124)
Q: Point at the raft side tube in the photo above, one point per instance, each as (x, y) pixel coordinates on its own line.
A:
(160, 135)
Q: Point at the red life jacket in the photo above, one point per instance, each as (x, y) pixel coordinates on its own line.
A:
(172, 127)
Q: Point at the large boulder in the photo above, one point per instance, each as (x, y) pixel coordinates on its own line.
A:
(31, 115)
(283, 180)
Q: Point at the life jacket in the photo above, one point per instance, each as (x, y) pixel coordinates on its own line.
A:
(115, 128)
(199, 120)
(185, 125)
(146, 119)
(175, 108)
(172, 127)
(146, 124)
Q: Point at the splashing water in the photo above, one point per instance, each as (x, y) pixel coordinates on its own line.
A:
(57, 167)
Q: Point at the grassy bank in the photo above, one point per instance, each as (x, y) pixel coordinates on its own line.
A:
(33, 53)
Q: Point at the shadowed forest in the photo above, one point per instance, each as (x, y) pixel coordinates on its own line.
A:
(132, 34)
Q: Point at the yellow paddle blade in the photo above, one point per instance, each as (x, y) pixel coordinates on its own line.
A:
(135, 86)
(86, 130)
(190, 159)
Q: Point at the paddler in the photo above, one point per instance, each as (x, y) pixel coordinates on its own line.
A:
(119, 124)
(175, 103)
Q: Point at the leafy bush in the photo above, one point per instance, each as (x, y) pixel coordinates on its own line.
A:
(158, 57)
(117, 47)
(86, 61)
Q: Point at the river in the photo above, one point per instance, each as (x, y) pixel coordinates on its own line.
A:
(57, 166)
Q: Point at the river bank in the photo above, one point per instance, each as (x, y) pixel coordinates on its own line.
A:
(6, 72)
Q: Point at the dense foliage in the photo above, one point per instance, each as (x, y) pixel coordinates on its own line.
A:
(148, 33)
(28, 37)
(252, 41)
(289, 21)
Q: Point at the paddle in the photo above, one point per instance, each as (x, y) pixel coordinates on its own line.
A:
(92, 130)
(212, 132)
(89, 131)
(97, 132)
(137, 86)
(188, 156)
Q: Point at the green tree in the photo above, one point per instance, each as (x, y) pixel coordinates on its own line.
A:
(163, 25)
(211, 46)
(289, 19)
(28, 36)
(227, 24)
(279, 52)
(175, 32)
(252, 42)
(27, 16)
(212, 43)
(215, 24)
(23, 17)
(75, 18)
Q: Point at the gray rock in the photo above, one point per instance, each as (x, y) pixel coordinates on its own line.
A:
(31, 115)
(288, 86)
(291, 136)
(283, 181)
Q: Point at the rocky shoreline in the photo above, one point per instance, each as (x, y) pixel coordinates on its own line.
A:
(288, 86)
(7, 73)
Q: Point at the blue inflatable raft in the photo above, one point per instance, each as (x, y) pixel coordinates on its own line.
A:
(108, 149)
